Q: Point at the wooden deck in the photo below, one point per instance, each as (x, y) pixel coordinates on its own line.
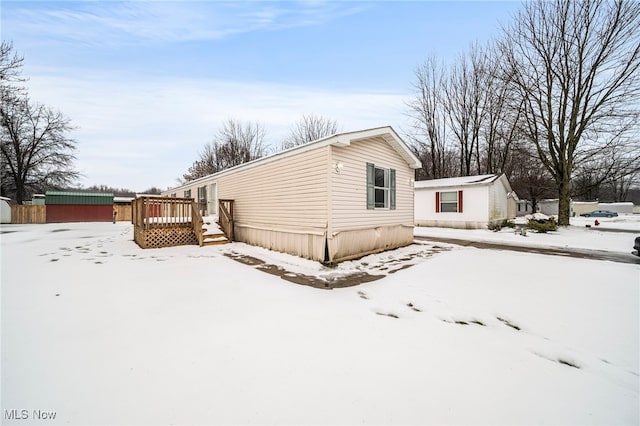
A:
(169, 221)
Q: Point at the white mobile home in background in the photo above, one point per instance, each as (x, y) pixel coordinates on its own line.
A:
(470, 202)
(5, 210)
(329, 200)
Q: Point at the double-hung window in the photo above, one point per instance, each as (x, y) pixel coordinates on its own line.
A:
(449, 202)
(187, 193)
(381, 187)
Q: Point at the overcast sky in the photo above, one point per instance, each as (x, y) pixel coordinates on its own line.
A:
(148, 83)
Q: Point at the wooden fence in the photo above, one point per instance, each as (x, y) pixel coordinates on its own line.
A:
(26, 214)
(123, 212)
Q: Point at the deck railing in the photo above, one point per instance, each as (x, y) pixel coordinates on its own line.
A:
(161, 212)
(161, 221)
(152, 216)
(225, 217)
(198, 223)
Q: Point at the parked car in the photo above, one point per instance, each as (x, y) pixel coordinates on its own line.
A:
(636, 246)
(600, 213)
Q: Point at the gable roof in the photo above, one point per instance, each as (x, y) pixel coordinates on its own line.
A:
(389, 135)
(462, 181)
(339, 139)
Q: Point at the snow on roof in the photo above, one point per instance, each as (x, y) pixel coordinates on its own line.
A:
(619, 203)
(457, 181)
(123, 199)
(78, 194)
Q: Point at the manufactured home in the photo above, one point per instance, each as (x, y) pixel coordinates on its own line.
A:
(5, 210)
(469, 202)
(333, 199)
(524, 207)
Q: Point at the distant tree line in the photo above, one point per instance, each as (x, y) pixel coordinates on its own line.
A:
(552, 103)
(117, 192)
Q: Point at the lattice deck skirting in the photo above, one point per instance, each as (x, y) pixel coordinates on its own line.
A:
(165, 237)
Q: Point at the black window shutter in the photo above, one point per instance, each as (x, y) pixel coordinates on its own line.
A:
(392, 189)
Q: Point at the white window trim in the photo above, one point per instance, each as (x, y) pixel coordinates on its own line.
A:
(386, 188)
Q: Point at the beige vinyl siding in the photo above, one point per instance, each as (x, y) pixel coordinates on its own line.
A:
(349, 187)
(282, 205)
(289, 193)
(354, 229)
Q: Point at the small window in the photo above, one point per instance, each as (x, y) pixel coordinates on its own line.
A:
(202, 194)
(449, 202)
(381, 187)
(187, 193)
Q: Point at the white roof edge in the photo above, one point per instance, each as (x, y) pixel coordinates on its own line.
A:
(460, 181)
(503, 177)
(338, 139)
(147, 195)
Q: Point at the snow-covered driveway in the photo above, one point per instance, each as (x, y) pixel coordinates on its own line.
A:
(99, 331)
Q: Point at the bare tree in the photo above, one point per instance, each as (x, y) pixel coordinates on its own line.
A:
(208, 163)
(620, 186)
(10, 72)
(465, 106)
(428, 134)
(36, 152)
(575, 64)
(528, 179)
(609, 174)
(502, 110)
(240, 142)
(310, 128)
(234, 144)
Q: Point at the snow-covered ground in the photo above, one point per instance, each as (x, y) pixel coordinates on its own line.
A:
(611, 234)
(99, 331)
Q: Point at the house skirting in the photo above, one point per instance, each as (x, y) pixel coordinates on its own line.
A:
(308, 243)
(352, 244)
(459, 224)
(314, 244)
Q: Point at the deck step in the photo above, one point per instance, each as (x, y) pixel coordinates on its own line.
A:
(214, 235)
(214, 239)
(215, 242)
